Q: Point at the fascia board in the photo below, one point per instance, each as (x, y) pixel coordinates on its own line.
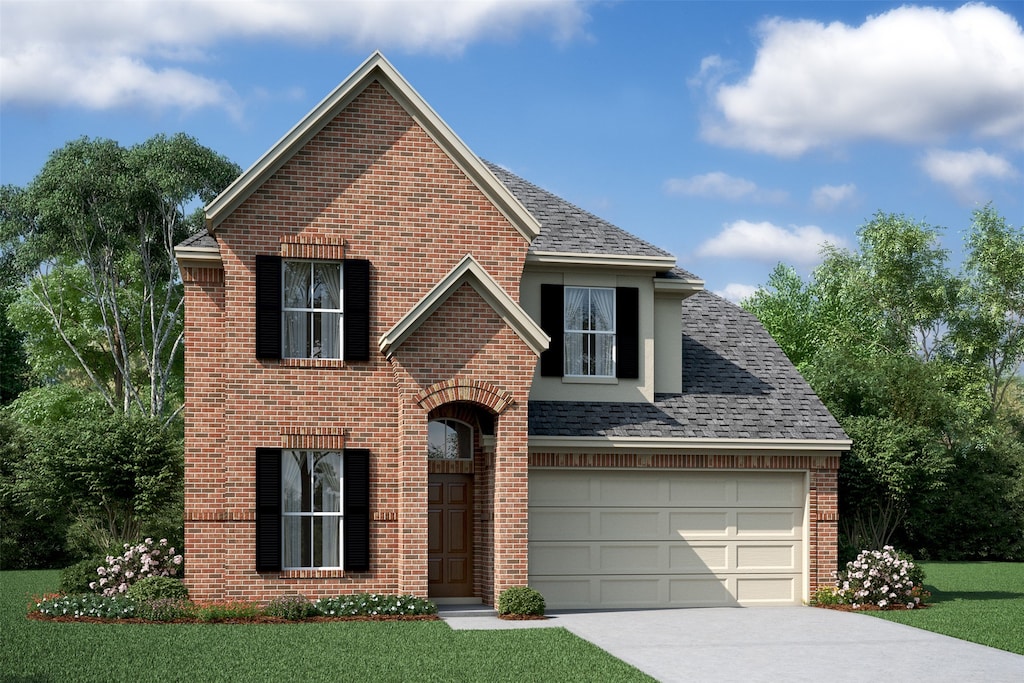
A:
(656, 263)
(671, 286)
(201, 257)
(376, 67)
(471, 272)
(558, 443)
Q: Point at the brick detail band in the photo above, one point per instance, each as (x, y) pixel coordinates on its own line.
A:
(474, 391)
(205, 276)
(680, 461)
(324, 438)
(322, 247)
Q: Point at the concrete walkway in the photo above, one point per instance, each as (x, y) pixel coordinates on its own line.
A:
(774, 644)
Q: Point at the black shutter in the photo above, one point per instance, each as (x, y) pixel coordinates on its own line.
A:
(627, 333)
(357, 310)
(268, 509)
(268, 306)
(357, 509)
(552, 321)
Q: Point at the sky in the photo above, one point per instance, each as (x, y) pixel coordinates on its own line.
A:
(736, 135)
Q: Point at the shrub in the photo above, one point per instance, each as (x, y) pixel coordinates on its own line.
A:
(521, 601)
(136, 563)
(226, 611)
(881, 578)
(87, 605)
(157, 588)
(77, 577)
(373, 604)
(166, 609)
(291, 607)
(830, 595)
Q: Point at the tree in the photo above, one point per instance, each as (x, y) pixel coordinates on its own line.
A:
(918, 365)
(988, 325)
(96, 229)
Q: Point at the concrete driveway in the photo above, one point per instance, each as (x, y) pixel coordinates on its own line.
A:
(775, 644)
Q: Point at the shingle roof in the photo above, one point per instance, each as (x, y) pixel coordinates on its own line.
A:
(201, 239)
(569, 229)
(737, 384)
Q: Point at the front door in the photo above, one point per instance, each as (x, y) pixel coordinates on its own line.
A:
(450, 535)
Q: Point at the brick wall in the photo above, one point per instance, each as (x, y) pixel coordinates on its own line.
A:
(371, 185)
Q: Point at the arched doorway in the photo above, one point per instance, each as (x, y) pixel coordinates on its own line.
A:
(455, 459)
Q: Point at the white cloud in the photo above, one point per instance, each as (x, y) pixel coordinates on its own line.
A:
(961, 172)
(103, 54)
(828, 197)
(736, 292)
(724, 186)
(911, 75)
(769, 243)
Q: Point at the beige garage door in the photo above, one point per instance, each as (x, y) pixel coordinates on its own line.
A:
(627, 538)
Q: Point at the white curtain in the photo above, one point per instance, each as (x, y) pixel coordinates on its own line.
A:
(603, 311)
(328, 275)
(327, 478)
(296, 295)
(293, 472)
(576, 314)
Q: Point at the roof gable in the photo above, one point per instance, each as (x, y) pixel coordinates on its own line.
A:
(468, 271)
(375, 68)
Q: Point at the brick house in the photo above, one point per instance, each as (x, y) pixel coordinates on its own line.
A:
(409, 370)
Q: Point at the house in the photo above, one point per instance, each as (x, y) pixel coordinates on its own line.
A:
(409, 370)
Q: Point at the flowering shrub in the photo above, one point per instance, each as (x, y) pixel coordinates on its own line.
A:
(87, 605)
(373, 604)
(137, 562)
(884, 578)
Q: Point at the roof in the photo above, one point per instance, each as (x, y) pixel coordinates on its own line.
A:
(568, 229)
(737, 384)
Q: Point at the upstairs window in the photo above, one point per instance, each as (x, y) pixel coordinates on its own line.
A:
(312, 309)
(594, 331)
(589, 328)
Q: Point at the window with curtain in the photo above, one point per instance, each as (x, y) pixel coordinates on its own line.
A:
(589, 331)
(449, 440)
(312, 309)
(311, 509)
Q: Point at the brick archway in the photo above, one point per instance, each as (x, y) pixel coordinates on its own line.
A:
(480, 392)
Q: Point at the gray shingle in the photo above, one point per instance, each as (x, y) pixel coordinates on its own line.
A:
(569, 229)
(737, 383)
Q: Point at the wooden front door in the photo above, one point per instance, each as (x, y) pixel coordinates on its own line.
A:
(450, 535)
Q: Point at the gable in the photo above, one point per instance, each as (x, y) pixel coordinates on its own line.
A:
(467, 272)
(378, 70)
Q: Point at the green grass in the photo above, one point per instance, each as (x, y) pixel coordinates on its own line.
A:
(982, 602)
(345, 651)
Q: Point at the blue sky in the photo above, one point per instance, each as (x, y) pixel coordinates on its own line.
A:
(734, 134)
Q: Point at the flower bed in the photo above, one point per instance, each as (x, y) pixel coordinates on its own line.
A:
(92, 608)
(885, 579)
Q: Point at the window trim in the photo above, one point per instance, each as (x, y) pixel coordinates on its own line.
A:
(586, 333)
(312, 515)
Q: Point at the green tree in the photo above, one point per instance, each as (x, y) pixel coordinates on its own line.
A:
(918, 366)
(113, 473)
(96, 230)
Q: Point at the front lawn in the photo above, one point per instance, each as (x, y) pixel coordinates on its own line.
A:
(978, 601)
(346, 651)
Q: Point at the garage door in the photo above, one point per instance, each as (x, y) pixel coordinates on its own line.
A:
(627, 538)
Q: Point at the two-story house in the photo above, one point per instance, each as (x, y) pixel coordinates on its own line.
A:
(409, 370)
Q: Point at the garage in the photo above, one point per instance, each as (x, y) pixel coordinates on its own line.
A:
(667, 538)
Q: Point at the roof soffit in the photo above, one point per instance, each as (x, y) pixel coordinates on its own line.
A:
(375, 68)
(467, 271)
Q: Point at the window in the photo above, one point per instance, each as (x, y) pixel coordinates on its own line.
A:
(589, 327)
(449, 440)
(594, 331)
(312, 309)
(311, 509)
